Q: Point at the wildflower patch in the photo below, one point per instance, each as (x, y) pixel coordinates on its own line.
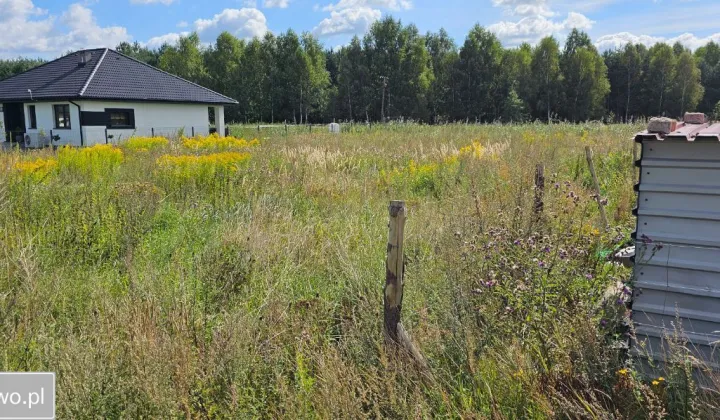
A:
(36, 170)
(143, 144)
(203, 167)
(95, 161)
(216, 143)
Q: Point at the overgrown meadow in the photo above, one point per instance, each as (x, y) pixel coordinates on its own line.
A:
(242, 277)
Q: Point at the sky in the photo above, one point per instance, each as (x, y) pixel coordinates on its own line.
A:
(49, 28)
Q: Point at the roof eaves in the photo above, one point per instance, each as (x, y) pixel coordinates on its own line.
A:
(97, 66)
(230, 100)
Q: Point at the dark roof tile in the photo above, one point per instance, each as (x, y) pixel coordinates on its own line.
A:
(107, 75)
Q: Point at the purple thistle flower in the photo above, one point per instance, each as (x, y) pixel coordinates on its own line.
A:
(589, 276)
(603, 322)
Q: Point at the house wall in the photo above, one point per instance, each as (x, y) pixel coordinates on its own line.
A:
(46, 122)
(164, 119)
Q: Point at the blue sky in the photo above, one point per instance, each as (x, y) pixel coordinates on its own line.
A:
(47, 28)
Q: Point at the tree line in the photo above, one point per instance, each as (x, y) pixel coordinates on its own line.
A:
(393, 72)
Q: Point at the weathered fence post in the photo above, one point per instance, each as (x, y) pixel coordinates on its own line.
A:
(596, 185)
(152, 131)
(395, 334)
(394, 269)
(539, 189)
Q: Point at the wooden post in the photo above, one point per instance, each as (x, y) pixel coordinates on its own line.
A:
(106, 137)
(394, 269)
(152, 130)
(192, 130)
(395, 334)
(601, 206)
(258, 127)
(539, 188)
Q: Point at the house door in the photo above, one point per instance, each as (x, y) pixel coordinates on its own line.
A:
(14, 123)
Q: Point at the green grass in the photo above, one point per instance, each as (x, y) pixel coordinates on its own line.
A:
(257, 291)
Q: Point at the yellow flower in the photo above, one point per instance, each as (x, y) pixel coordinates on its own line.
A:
(94, 161)
(656, 383)
(215, 142)
(200, 167)
(37, 169)
(143, 144)
(661, 379)
(622, 372)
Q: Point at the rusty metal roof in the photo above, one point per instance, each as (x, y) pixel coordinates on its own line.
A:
(687, 132)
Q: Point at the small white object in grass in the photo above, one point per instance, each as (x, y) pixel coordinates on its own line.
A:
(334, 128)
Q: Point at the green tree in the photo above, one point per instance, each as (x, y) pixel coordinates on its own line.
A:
(546, 77)
(480, 69)
(585, 82)
(443, 96)
(185, 59)
(708, 58)
(354, 86)
(222, 62)
(139, 52)
(316, 83)
(631, 60)
(687, 90)
(660, 75)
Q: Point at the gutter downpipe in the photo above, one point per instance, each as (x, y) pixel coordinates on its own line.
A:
(82, 142)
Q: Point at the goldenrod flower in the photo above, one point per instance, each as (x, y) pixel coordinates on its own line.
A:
(143, 144)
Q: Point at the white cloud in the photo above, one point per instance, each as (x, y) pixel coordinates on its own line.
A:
(621, 39)
(182, 24)
(525, 7)
(578, 21)
(243, 23)
(85, 32)
(347, 21)
(171, 39)
(282, 4)
(366, 4)
(165, 2)
(531, 29)
(25, 33)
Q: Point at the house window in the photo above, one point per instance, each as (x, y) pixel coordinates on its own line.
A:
(62, 116)
(120, 118)
(31, 115)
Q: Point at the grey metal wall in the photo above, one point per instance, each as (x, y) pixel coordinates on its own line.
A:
(677, 260)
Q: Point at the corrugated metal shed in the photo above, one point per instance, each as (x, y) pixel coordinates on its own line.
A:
(677, 260)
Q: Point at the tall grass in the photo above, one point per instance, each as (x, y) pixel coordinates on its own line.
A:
(171, 278)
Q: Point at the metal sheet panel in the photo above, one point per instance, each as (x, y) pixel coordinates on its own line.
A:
(677, 262)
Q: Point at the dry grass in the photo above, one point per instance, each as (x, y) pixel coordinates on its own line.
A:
(256, 292)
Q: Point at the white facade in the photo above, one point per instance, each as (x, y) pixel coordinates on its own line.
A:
(158, 118)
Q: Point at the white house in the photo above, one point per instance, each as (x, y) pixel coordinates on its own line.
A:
(102, 96)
